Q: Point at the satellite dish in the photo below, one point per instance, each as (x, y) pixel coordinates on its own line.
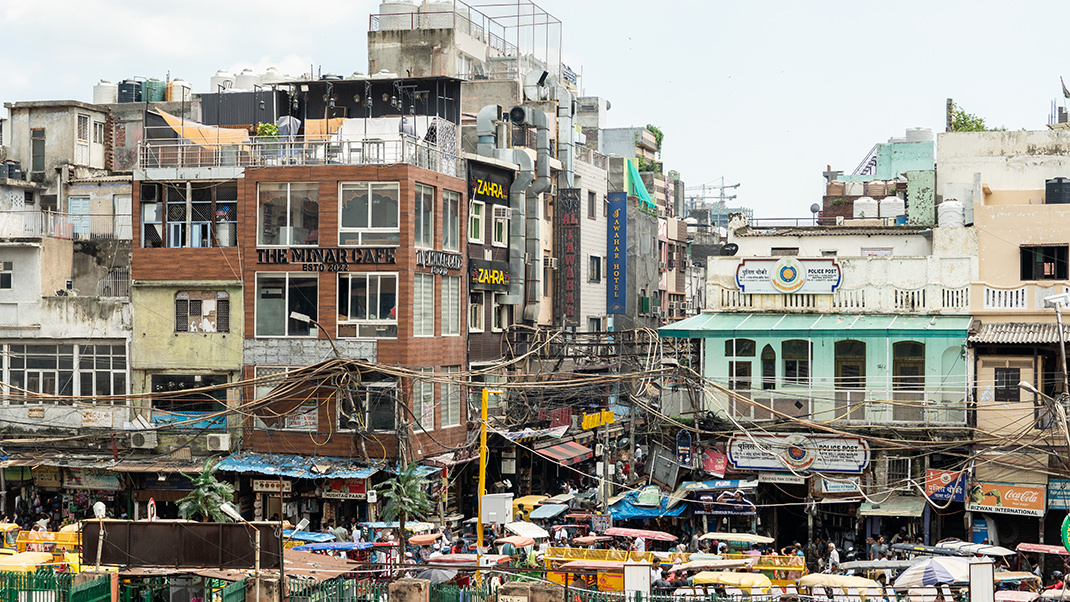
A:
(730, 249)
(815, 208)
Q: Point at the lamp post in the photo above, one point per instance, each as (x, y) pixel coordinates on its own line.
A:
(300, 317)
(230, 511)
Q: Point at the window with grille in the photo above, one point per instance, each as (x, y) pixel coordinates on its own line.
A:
(37, 149)
(796, 354)
(6, 274)
(898, 472)
(1006, 385)
(83, 128)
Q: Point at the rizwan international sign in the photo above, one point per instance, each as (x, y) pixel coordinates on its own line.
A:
(798, 452)
(788, 275)
(1001, 498)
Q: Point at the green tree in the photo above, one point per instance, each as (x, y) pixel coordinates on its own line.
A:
(961, 121)
(405, 497)
(207, 496)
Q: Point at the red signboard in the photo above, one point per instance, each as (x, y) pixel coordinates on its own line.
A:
(345, 489)
(715, 463)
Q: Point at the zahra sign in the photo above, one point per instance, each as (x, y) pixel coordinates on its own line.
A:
(798, 452)
(786, 275)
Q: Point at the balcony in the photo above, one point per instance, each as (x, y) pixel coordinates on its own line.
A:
(852, 406)
(926, 300)
(300, 151)
(67, 226)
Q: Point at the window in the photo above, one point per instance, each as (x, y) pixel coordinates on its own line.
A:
(605, 206)
(796, 361)
(476, 311)
(1006, 386)
(380, 405)
(179, 399)
(287, 214)
(37, 149)
(1044, 263)
(451, 398)
(423, 401)
(279, 295)
(423, 304)
(98, 132)
(739, 348)
(475, 222)
(825, 253)
(850, 365)
(908, 366)
(739, 375)
(898, 472)
(83, 128)
(592, 204)
(451, 305)
(424, 229)
(500, 317)
(481, 381)
(6, 272)
(367, 305)
(101, 370)
(202, 311)
(644, 244)
(304, 417)
(82, 370)
(594, 324)
(784, 251)
(369, 214)
(451, 220)
(768, 368)
(594, 268)
(500, 231)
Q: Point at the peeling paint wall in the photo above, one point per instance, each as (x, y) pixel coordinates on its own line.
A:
(921, 198)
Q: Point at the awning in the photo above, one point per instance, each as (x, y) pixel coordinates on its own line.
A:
(728, 325)
(313, 536)
(1042, 548)
(165, 467)
(1019, 333)
(561, 498)
(548, 511)
(568, 453)
(204, 135)
(624, 507)
(299, 467)
(451, 459)
(894, 506)
(527, 529)
(968, 548)
(644, 533)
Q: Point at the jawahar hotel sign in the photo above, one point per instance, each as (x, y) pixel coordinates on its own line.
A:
(788, 275)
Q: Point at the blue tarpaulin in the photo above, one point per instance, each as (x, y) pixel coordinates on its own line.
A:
(626, 508)
(298, 467)
(548, 511)
(308, 536)
(334, 545)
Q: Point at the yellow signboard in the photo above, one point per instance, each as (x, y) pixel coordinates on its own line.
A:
(597, 419)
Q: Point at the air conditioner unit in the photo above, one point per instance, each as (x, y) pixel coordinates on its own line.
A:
(218, 442)
(664, 315)
(553, 190)
(501, 212)
(549, 262)
(143, 440)
(672, 305)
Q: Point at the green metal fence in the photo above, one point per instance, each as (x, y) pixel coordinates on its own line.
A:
(97, 590)
(453, 593)
(42, 586)
(337, 590)
(234, 592)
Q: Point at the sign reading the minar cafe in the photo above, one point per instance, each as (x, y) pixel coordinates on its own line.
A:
(567, 237)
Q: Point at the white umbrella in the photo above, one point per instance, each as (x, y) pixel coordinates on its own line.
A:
(934, 570)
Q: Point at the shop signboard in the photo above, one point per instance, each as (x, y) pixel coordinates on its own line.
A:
(567, 253)
(714, 463)
(789, 275)
(489, 184)
(601, 522)
(272, 486)
(1059, 494)
(781, 478)
(798, 452)
(847, 485)
(683, 447)
(617, 254)
(1004, 498)
(346, 489)
(488, 275)
(945, 485)
(47, 476)
(77, 478)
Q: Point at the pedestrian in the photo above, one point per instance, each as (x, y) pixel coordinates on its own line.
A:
(834, 555)
(879, 549)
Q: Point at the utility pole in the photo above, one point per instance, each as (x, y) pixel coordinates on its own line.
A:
(483, 453)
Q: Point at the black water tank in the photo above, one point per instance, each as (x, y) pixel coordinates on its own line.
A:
(1057, 191)
(129, 91)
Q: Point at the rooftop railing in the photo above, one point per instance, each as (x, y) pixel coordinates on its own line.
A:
(69, 226)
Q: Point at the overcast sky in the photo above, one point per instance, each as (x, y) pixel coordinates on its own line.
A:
(762, 93)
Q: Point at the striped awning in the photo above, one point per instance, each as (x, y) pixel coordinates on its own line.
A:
(568, 453)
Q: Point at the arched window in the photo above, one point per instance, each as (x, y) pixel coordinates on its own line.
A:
(796, 354)
(768, 367)
(908, 366)
(739, 348)
(850, 365)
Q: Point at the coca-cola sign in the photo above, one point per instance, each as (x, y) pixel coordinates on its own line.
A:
(1001, 498)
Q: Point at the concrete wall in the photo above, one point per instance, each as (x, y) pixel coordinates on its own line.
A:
(894, 158)
(415, 53)
(1005, 160)
(60, 123)
(921, 198)
(476, 94)
(593, 241)
(156, 346)
(619, 141)
(845, 244)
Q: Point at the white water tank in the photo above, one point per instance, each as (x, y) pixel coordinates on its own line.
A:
(272, 76)
(854, 188)
(384, 74)
(397, 15)
(179, 90)
(919, 135)
(221, 81)
(356, 75)
(105, 93)
(949, 214)
(892, 207)
(246, 80)
(865, 207)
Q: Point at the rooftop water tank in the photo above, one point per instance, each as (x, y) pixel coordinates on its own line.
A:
(272, 76)
(222, 80)
(865, 207)
(854, 188)
(105, 93)
(1057, 191)
(949, 214)
(356, 75)
(129, 90)
(876, 188)
(179, 91)
(153, 90)
(396, 15)
(246, 80)
(384, 74)
(892, 207)
(919, 135)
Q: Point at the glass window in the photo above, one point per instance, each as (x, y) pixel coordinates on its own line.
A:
(739, 348)
(475, 222)
(451, 305)
(7, 272)
(37, 149)
(369, 214)
(98, 132)
(423, 400)
(423, 305)
(768, 367)
(594, 268)
(592, 204)
(1045, 263)
(796, 361)
(424, 227)
(476, 309)
(367, 305)
(202, 311)
(279, 295)
(180, 399)
(500, 316)
(287, 214)
(451, 398)
(451, 220)
(102, 371)
(380, 403)
(1006, 388)
(850, 364)
(739, 374)
(500, 231)
(83, 128)
(908, 366)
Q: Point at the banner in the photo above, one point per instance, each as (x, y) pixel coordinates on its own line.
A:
(617, 254)
(945, 485)
(1001, 498)
(715, 463)
(488, 275)
(1058, 494)
(789, 275)
(726, 503)
(816, 452)
(489, 184)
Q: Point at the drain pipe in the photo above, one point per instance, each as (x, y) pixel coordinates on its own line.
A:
(566, 109)
(518, 223)
(532, 246)
(488, 135)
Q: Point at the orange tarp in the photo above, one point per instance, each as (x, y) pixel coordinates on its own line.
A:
(204, 135)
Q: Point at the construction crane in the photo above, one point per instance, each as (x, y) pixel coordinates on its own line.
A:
(712, 191)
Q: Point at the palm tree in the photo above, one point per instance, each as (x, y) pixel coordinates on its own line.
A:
(207, 495)
(405, 497)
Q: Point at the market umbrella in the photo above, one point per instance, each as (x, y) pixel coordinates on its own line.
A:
(644, 533)
(424, 539)
(437, 575)
(516, 540)
(827, 580)
(738, 537)
(748, 580)
(934, 570)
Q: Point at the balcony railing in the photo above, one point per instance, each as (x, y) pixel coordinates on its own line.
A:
(300, 151)
(854, 406)
(68, 226)
(930, 299)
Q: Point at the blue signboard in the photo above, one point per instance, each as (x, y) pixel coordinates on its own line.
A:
(945, 485)
(617, 254)
(1058, 494)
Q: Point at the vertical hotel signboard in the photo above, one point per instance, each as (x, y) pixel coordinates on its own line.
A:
(567, 290)
(617, 254)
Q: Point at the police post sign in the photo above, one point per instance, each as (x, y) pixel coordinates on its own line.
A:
(617, 254)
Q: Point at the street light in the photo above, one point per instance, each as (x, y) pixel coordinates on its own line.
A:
(300, 317)
(230, 511)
